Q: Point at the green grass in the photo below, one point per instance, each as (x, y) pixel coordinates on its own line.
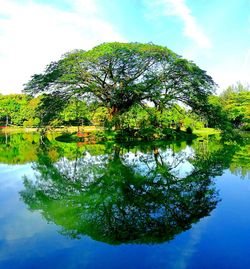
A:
(70, 129)
(16, 129)
(206, 131)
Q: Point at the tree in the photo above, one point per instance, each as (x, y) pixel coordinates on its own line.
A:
(235, 101)
(10, 106)
(76, 113)
(27, 114)
(120, 75)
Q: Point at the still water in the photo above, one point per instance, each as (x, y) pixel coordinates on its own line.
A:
(153, 205)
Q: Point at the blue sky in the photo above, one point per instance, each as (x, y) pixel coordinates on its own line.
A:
(215, 34)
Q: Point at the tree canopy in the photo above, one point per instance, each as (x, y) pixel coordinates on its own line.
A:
(235, 100)
(120, 75)
(10, 106)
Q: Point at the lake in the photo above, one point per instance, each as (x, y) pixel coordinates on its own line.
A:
(140, 205)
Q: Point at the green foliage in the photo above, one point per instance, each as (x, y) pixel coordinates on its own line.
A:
(119, 76)
(19, 109)
(134, 87)
(50, 107)
(76, 112)
(99, 116)
(11, 108)
(189, 130)
(178, 129)
(235, 101)
(31, 122)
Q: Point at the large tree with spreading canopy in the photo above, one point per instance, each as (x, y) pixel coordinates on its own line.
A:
(120, 75)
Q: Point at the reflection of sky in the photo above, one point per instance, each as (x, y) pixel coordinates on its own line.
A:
(142, 163)
(81, 166)
(13, 212)
(10, 175)
(178, 163)
(25, 237)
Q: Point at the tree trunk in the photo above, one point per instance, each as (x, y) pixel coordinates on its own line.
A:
(112, 112)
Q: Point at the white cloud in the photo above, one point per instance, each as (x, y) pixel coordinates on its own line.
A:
(180, 9)
(32, 35)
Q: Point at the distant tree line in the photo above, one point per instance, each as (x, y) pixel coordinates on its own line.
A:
(24, 110)
(235, 102)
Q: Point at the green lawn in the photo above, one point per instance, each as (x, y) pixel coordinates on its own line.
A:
(206, 131)
(70, 129)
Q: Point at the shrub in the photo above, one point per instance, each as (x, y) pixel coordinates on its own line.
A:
(178, 128)
(189, 130)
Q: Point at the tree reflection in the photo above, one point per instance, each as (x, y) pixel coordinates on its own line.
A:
(240, 164)
(125, 198)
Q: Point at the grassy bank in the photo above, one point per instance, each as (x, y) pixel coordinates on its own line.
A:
(70, 129)
(206, 132)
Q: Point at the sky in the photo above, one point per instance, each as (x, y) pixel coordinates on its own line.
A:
(215, 34)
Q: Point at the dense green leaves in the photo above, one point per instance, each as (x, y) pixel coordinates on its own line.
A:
(235, 100)
(11, 106)
(120, 75)
(127, 85)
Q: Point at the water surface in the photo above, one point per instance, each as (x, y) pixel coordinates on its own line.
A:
(150, 205)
